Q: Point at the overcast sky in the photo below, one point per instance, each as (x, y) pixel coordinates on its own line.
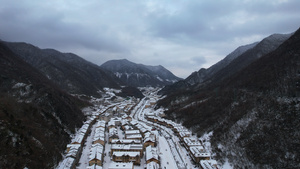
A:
(181, 35)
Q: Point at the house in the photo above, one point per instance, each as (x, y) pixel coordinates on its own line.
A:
(114, 165)
(113, 134)
(68, 162)
(94, 167)
(100, 123)
(127, 156)
(184, 134)
(153, 165)
(96, 156)
(99, 136)
(151, 155)
(125, 141)
(191, 141)
(73, 150)
(198, 153)
(208, 164)
(124, 147)
(149, 139)
(111, 124)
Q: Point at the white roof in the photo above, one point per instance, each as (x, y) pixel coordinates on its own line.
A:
(152, 165)
(114, 165)
(126, 153)
(94, 167)
(133, 136)
(73, 150)
(96, 152)
(192, 141)
(101, 123)
(208, 164)
(66, 163)
(125, 141)
(198, 151)
(127, 146)
(127, 132)
(151, 152)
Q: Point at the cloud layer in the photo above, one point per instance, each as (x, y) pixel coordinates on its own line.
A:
(183, 36)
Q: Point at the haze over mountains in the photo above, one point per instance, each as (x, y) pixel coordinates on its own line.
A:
(249, 100)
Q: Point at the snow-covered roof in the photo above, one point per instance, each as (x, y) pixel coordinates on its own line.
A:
(96, 152)
(73, 150)
(126, 153)
(114, 165)
(152, 165)
(100, 123)
(112, 132)
(66, 163)
(192, 141)
(151, 153)
(199, 151)
(134, 136)
(129, 132)
(127, 147)
(125, 141)
(95, 166)
(208, 164)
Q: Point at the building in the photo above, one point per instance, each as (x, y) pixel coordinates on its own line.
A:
(208, 164)
(68, 162)
(125, 141)
(198, 153)
(124, 147)
(149, 140)
(99, 136)
(96, 155)
(127, 156)
(115, 165)
(151, 155)
(153, 165)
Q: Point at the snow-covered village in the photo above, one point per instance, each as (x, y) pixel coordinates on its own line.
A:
(130, 134)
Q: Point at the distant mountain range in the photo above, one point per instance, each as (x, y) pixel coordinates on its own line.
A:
(69, 71)
(139, 75)
(250, 104)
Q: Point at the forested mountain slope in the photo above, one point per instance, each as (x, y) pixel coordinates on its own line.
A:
(254, 113)
(36, 117)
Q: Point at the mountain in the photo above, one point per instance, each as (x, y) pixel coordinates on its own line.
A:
(69, 71)
(253, 113)
(37, 118)
(139, 75)
(232, 63)
(204, 74)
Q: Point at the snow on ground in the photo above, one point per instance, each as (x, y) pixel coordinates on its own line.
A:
(166, 158)
(84, 159)
(227, 165)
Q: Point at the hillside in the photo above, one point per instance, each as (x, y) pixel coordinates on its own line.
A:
(139, 75)
(253, 113)
(69, 71)
(231, 64)
(37, 118)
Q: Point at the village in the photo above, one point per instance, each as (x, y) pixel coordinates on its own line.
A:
(129, 134)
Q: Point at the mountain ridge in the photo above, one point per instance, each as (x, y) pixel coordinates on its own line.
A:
(139, 75)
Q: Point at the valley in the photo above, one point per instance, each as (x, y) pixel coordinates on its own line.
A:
(131, 133)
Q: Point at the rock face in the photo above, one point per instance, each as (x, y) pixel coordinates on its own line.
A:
(37, 117)
(138, 75)
(252, 108)
(69, 71)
